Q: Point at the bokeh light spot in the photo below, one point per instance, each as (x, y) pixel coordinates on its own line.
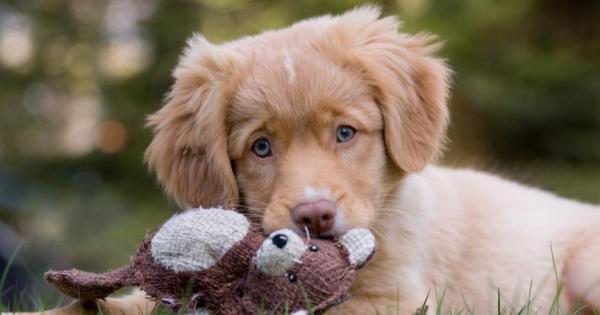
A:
(16, 42)
(112, 137)
(124, 58)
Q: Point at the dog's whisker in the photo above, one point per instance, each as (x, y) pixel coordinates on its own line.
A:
(307, 234)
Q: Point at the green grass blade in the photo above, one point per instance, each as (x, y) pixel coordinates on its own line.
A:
(309, 306)
(9, 264)
(555, 307)
(499, 302)
(438, 309)
(424, 307)
(527, 305)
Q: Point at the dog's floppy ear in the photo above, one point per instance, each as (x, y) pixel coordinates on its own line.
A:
(411, 86)
(189, 148)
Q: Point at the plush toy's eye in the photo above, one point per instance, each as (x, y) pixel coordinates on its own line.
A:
(291, 276)
(170, 302)
(280, 240)
(314, 248)
(196, 301)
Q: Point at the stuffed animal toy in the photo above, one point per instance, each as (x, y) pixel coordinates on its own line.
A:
(215, 261)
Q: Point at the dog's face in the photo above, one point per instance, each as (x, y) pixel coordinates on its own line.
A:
(306, 138)
(309, 126)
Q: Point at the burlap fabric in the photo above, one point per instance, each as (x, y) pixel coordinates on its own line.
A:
(320, 278)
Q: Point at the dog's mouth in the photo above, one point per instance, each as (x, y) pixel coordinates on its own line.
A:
(338, 230)
(304, 231)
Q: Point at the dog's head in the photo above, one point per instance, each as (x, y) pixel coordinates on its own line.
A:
(306, 126)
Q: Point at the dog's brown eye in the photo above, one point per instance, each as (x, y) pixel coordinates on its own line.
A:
(345, 133)
(261, 148)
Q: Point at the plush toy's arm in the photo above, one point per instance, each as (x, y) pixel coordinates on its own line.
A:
(360, 244)
(88, 286)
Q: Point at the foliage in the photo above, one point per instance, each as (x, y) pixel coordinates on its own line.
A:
(79, 77)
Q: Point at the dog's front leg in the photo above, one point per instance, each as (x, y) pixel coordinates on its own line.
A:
(369, 306)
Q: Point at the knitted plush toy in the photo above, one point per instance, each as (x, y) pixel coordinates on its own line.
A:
(215, 261)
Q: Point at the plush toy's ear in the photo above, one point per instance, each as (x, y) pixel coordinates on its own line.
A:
(360, 244)
(197, 239)
(409, 83)
(189, 150)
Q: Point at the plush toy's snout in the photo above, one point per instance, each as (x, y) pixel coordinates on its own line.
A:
(279, 252)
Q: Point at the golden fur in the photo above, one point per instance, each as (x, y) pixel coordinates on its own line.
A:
(352, 70)
(462, 231)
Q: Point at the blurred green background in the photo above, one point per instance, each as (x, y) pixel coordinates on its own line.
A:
(78, 78)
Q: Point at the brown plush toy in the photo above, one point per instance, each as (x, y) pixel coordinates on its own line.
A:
(215, 261)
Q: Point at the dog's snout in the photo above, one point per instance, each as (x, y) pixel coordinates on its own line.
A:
(318, 216)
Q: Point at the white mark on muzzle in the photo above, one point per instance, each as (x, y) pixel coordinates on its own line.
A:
(312, 193)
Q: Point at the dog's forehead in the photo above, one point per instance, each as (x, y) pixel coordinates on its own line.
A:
(291, 87)
(298, 78)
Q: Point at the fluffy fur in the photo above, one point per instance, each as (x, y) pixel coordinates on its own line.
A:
(460, 232)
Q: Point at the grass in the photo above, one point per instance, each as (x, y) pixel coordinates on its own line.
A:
(21, 300)
(40, 302)
(7, 269)
(3, 290)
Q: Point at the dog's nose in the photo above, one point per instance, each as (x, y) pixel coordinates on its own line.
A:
(318, 216)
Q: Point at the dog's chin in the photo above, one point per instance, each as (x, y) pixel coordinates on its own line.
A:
(336, 231)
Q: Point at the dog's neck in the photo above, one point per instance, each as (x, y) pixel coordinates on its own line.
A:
(399, 228)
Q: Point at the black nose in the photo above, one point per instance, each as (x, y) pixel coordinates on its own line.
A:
(280, 240)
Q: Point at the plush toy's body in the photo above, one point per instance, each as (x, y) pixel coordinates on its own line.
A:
(216, 260)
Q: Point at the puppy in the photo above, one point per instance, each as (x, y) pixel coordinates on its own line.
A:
(334, 123)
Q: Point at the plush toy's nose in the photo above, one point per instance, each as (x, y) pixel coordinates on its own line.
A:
(318, 216)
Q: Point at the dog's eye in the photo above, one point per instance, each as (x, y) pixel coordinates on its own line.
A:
(261, 148)
(345, 133)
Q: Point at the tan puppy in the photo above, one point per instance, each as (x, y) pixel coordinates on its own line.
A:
(332, 124)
